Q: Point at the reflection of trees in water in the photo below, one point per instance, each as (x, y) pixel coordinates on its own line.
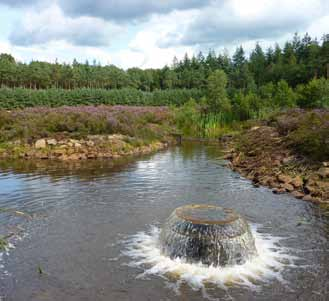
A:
(84, 170)
(199, 150)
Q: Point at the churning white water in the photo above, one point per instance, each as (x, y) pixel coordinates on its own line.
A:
(144, 251)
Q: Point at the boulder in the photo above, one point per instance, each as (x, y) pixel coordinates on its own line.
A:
(309, 198)
(284, 179)
(287, 160)
(297, 182)
(52, 142)
(298, 195)
(278, 190)
(59, 152)
(90, 143)
(287, 187)
(323, 172)
(41, 143)
(311, 189)
(74, 157)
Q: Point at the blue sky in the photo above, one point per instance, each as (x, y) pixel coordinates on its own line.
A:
(146, 33)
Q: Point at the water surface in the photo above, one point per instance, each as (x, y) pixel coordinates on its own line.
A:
(83, 214)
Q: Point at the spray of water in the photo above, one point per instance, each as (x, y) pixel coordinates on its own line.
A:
(144, 251)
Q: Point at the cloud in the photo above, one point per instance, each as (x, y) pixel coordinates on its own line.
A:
(145, 44)
(238, 21)
(127, 10)
(84, 29)
(52, 25)
(17, 2)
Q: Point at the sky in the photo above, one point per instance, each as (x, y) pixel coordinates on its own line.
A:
(148, 34)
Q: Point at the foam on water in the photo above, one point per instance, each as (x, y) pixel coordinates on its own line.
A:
(143, 248)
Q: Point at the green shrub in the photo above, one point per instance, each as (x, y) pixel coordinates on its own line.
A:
(311, 137)
(315, 94)
(22, 98)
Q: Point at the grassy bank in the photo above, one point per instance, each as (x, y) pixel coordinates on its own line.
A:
(83, 131)
(288, 152)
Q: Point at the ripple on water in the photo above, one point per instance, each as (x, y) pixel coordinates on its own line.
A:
(143, 248)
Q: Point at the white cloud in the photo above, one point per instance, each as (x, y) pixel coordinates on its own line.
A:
(237, 21)
(50, 24)
(146, 42)
(126, 10)
(46, 33)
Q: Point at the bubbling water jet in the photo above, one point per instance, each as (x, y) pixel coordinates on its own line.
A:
(207, 234)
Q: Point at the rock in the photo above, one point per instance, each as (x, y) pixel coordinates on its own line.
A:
(77, 145)
(74, 141)
(83, 157)
(284, 179)
(276, 163)
(310, 189)
(41, 143)
(90, 143)
(41, 155)
(278, 190)
(255, 128)
(252, 153)
(228, 157)
(74, 157)
(297, 182)
(51, 141)
(91, 156)
(288, 187)
(325, 164)
(323, 172)
(236, 160)
(17, 142)
(287, 160)
(309, 198)
(297, 194)
(64, 157)
(116, 137)
(59, 152)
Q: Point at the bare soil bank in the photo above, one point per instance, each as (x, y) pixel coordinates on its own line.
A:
(269, 155)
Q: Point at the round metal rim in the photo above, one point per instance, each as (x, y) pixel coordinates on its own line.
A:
(232, 216)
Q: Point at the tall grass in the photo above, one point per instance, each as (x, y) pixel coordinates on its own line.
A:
(193, 123)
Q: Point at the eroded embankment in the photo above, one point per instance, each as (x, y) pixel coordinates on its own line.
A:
(287, 153)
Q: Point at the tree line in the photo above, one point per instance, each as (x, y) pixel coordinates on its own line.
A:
(300, 60)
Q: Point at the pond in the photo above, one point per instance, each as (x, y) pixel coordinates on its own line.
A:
(88, 231)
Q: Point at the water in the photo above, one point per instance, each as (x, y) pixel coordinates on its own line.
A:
(94, 226)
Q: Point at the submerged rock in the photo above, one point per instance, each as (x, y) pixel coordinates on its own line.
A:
(208, 234)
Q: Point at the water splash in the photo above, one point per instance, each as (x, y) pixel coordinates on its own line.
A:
(144, 250)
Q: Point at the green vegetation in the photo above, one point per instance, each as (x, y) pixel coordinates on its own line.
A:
(300, 61)
(22, 98)
(210, 95)
(146, 123)
(3, 244)
(307, 132)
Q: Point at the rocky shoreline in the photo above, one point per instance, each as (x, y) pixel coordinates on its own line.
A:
(91, 147)
(262, 155)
